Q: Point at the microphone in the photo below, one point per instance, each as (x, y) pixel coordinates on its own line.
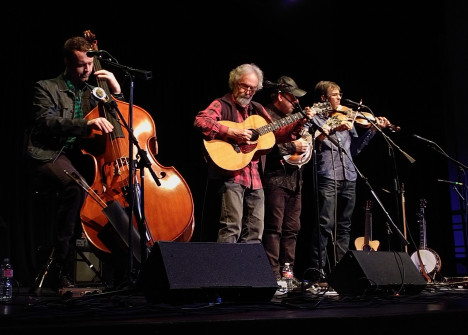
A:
(353, 103)
(422, 139)
(449, 182)
(92, 53)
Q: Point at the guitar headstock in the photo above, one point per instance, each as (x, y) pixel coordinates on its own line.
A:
(369, 204)
(322, 107)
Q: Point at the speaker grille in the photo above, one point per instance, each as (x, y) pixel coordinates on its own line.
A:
(197, 271)
(376, 273)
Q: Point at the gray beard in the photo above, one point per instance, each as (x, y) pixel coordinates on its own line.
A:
(243, 101)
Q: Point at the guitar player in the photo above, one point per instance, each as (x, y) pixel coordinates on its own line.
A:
(231, 121)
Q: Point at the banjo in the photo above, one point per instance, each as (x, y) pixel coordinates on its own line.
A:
(299, 159)
(303, 158)
(426, 260)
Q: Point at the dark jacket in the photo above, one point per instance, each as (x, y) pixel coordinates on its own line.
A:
(53, 118)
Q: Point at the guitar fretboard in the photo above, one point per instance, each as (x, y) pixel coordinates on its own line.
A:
(324, 107)
(279, 123)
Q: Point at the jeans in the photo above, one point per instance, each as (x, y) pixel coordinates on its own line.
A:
(336, 205)
(242, 214)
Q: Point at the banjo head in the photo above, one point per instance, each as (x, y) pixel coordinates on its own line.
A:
(430, 260)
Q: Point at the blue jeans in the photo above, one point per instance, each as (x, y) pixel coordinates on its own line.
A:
(336, 205)
(242, 214)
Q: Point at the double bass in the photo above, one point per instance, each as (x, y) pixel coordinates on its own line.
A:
(167, 211)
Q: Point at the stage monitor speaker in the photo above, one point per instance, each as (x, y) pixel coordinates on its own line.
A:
(376, 273)
(181, 272)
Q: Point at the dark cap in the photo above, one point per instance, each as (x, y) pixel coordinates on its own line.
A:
(290, 86)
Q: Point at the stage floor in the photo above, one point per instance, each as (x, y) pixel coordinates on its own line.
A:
(439, 307)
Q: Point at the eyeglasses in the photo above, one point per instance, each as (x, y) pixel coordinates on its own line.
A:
(340, 95)
(247, 88)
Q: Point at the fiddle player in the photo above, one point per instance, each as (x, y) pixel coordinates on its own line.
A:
(336, 178)
(53, 145)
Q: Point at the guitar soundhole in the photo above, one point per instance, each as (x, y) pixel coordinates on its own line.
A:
(255, 135)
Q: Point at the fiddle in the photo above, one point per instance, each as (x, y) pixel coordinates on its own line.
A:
(363, 119)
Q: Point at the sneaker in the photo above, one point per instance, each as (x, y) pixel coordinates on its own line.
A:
(281, 284)
(284, 286)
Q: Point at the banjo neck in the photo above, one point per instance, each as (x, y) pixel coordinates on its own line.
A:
(422, 224)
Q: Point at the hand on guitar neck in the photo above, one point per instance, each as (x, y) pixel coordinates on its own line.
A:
(366, 243)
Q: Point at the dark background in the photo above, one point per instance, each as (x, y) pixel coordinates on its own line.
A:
(405, 60)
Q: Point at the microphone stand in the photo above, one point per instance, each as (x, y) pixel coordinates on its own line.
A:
(462, 170)
(398, 188)
(391, 145)
(143, 163)
(393, 226)
(313, 125)
(385, 136)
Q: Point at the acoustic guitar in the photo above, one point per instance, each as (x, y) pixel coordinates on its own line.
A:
(233, 156)
(366, 243)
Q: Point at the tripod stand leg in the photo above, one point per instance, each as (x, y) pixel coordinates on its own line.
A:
(37, 287)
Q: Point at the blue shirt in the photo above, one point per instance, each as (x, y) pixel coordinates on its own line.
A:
(336, 162)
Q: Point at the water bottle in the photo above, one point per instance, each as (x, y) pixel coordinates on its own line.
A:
(288, 276)
(6, 285)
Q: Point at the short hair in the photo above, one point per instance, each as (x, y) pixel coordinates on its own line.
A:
(76, 43)
(243, 69)
(321, 88)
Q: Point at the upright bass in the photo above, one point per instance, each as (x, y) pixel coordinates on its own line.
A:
(167, 211)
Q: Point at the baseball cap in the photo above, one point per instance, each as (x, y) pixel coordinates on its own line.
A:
(290, 86)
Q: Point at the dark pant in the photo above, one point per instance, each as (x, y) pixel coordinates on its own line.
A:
(282, 225)
(336, 205)
(71, 197)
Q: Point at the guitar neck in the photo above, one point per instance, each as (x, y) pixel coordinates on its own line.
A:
(279, 123)
(368, 223)
(321, 107)
(368, 227)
